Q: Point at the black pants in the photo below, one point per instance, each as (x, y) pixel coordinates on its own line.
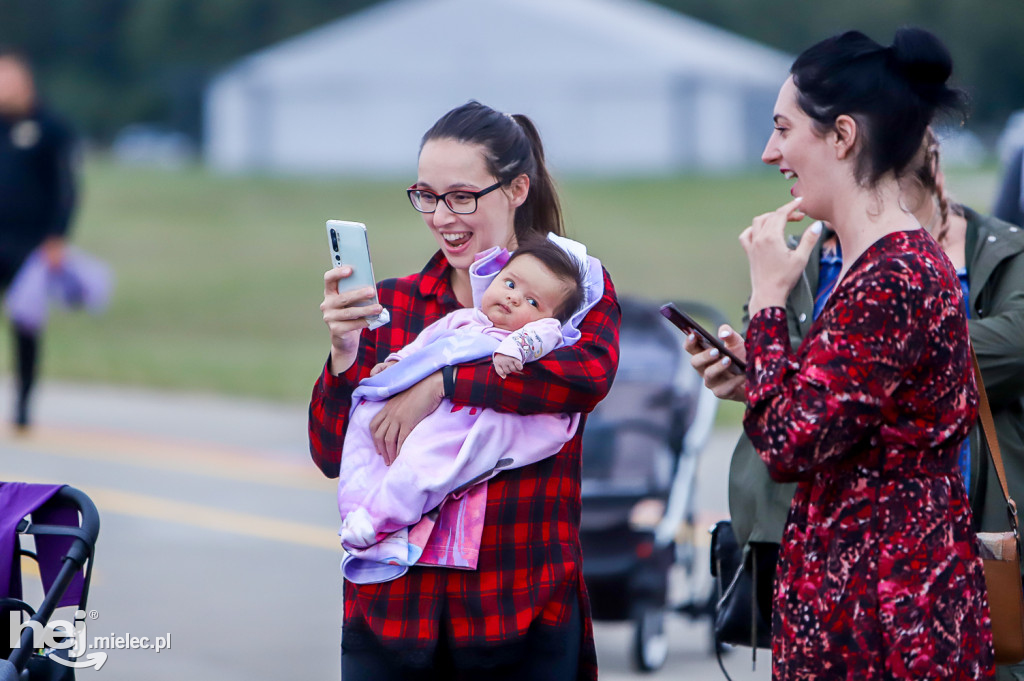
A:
(26, 359)
(539, 660)
(26, 353)
(766, 554)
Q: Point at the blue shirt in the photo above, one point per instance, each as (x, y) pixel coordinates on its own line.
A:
(965, 449)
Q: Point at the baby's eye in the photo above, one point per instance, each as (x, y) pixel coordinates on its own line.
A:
(509, 283)
(533, 302)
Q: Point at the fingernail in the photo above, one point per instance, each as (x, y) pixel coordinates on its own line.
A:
(690, 338)
(725, 361)
(345, 269)
(724, 333)
(816, 228)
(714, 353)
(798, 199)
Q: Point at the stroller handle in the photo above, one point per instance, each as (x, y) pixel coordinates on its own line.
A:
(75, 558)
(90, 526)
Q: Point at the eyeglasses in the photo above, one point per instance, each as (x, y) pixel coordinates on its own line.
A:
(461, 201)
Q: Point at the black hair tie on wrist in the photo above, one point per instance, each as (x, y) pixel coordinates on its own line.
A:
(448, 379)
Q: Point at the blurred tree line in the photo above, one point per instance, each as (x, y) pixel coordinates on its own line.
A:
(107, 63)
(984, 37)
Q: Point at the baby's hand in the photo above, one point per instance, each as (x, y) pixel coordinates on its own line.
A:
(382, 366)
(505, 365)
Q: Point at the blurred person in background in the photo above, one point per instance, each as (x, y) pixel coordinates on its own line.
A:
(523, 613)
(835, 413)
(37, 198)
(1009, 205)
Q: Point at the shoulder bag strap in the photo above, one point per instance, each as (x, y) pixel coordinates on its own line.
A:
(988, 431)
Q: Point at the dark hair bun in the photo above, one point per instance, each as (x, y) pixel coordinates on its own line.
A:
(897, 90)
(924, 61)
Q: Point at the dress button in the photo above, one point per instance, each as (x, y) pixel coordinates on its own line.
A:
(803, 317)
(991, 239)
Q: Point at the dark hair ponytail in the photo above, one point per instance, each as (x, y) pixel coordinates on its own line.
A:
(893, 93)
(512, 148)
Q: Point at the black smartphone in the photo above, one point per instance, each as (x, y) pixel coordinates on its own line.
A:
(688, 325)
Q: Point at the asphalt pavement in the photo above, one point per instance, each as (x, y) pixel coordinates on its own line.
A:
(219, 537)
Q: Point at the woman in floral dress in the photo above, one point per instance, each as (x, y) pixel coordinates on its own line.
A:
(878, 574)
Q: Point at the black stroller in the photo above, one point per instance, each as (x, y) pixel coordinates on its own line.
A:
(75, 543)
(640, 453)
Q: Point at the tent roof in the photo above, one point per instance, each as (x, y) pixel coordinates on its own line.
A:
(525, 38)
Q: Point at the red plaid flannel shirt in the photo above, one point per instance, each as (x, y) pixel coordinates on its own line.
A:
(530, 565)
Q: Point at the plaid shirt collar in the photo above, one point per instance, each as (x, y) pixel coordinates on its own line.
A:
(436, 281)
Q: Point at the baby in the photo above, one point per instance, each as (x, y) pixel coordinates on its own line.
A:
(532, 296)
(519, 318)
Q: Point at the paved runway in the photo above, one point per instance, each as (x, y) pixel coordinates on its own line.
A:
(219, 535)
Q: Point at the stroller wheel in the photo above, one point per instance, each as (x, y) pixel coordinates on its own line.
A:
(650, 642)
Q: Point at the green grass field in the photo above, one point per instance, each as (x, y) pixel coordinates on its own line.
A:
(219, 279)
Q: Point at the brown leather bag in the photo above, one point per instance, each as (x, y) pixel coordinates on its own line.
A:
(1000, 552)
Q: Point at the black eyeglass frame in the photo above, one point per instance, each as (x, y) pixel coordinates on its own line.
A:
(444, 197)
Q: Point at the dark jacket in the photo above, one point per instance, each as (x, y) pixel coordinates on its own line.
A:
(758, 505)
(996, 273)
(1008, 205)
(37, 192)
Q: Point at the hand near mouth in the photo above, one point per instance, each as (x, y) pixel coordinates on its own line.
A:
(774, 267)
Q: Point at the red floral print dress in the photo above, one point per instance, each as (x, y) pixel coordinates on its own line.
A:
(878, 576)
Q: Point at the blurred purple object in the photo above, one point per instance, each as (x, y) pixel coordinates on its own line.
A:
(81, 281)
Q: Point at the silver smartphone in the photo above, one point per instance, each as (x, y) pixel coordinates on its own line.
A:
(349, 246)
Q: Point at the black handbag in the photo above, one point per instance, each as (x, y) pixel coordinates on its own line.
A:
(740, 586)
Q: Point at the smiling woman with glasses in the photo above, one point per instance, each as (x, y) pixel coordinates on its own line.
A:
(523, 612)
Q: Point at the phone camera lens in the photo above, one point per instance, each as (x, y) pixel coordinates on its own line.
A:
(338, 258)
(334, 242)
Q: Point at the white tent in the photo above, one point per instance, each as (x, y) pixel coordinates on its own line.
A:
(615, 86)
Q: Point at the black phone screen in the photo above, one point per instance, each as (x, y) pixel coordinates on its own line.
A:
(688, 325)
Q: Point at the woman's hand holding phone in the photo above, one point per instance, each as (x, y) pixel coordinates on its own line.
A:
(345, 316)
(718, 371)
(350, 295)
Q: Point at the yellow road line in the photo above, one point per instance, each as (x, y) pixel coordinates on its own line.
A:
(209, 517)
(164, 454)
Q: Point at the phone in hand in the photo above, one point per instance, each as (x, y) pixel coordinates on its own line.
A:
(705, 338)
(349, 246)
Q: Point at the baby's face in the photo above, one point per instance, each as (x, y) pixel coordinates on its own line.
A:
(524, 291)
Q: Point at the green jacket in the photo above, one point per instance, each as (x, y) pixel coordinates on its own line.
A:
(759, 506)
(996, 273)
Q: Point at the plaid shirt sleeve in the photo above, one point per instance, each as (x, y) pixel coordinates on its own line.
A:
(332, 399)
(328, 415)
(570, 379)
